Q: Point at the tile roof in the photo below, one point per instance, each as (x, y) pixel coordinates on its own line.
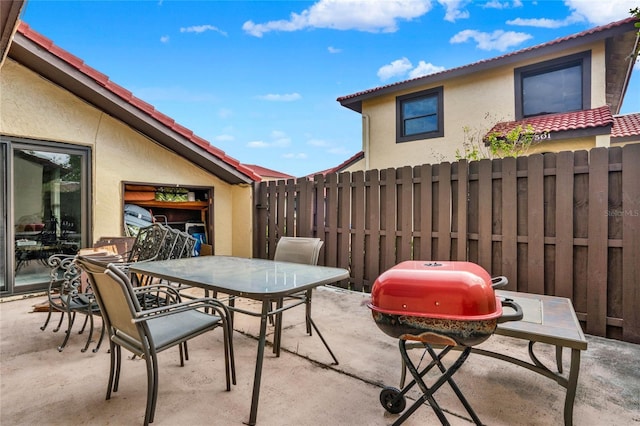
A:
(348, 162)
(265, 172)
(626, 125)
(103, 80)
(349, 100)
(591, 118)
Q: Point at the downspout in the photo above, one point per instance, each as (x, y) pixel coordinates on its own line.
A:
(365, 140)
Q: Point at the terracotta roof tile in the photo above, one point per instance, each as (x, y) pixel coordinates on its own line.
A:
(626, 125)
(128, 97)
(597, 117)
(265, 172)
(348, 162)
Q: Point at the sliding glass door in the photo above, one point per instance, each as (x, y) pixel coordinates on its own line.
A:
(49, 193)
(4, 259)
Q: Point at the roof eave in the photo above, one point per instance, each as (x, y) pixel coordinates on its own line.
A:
(61, 73)
(355, 102)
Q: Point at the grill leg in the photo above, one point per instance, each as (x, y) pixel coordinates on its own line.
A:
(455, 388)
(429, 391)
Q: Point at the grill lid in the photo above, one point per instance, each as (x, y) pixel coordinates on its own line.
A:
(448, 290)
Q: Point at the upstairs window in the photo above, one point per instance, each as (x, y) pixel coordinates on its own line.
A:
(419, 115)
(556, 86)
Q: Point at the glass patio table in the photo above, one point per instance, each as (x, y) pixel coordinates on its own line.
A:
(258, 279)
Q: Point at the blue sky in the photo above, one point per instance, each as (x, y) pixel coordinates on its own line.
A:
(259, 79)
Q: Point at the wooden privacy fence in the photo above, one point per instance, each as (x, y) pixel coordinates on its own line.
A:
(564, 224)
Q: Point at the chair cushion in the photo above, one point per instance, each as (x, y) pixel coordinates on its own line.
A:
(170, 330)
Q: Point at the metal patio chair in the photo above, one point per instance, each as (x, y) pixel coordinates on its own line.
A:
(145, 333)
(304, 250)
(67, 295)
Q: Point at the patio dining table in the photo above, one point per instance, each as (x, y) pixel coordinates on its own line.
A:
(263, 280)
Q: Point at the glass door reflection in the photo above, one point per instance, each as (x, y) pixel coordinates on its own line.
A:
(47, 210)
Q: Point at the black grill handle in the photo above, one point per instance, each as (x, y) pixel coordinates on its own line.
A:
(516, 316)
(499, 282)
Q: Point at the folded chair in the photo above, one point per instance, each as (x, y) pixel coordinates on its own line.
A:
(145, 333)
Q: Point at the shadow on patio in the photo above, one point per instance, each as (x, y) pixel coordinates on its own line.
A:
(39, 385)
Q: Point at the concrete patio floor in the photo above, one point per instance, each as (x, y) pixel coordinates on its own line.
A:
(39, 385)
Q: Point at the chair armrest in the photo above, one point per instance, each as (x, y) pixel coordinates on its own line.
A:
(204, 302)
(162, 291)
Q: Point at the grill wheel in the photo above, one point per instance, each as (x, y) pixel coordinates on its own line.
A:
(390, 401)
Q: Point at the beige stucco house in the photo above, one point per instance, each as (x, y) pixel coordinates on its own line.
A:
(76, 147)
(569, 90)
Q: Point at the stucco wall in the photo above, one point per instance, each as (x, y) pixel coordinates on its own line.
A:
(477, 102)
(34, 108)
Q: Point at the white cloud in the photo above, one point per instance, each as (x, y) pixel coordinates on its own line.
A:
(425, 68)
(201, 29)
(497, 4)
(396, 68)
(403, 67)
(497, 40)
(361, 15)
(594, 12)
(278, 139)
(225, 113)
(287, 97)
(224, 138)
(539, 22)
(454, 9)
(295, 156)
(332, 49)
(164, 39)
(547, 23)
(318, 142)
(339, 150)
(257, 144)
(601, 12)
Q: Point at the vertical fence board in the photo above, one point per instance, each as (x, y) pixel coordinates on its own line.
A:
(426, 212)
(549, 224)
(564, 224)
(275, 189)
(358, 225)
(372, 226)
(614, 213)
(535, 224)
(260, 217)
(631, 242)
(496, 218)
(291, 194)
(304, 216)
(344, 219)
(331, 239)
(597, 246)
(388, 217)
(462, 211)
(320, 206)
(485, 211)
(509, 222)
(444, 211)
(405, 213)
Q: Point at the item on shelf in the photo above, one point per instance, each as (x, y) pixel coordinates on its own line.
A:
(136, 217)
(172, 194)
(197, 231)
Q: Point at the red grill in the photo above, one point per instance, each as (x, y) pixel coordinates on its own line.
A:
(452, 304)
